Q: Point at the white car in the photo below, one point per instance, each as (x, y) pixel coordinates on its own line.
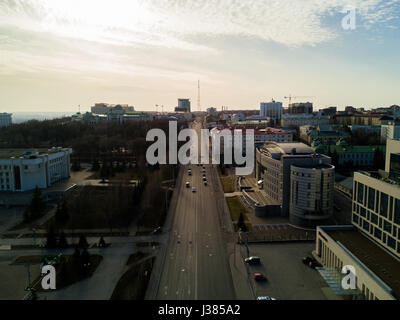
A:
(265, 298)
(187, 184)
(193, 189)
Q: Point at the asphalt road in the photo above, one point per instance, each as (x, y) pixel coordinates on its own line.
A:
(196, 265)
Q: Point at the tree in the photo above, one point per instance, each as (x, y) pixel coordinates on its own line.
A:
(102, 243)
(62, 241)
(95, 165)
(51, 241)
(62, 214)
(36, 207)
(241, 224)
(83, 242)
(76, 165)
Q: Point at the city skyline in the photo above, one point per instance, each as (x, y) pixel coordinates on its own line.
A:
(56, 56)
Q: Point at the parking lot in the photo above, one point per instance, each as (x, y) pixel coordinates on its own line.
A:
(287, 277)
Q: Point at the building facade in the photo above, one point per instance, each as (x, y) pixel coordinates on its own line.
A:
(5, 119)
(272, 110)
(183, 105)
(283, 167)
(24, 170)
(300, 108)
(390, 131)
(297, 120)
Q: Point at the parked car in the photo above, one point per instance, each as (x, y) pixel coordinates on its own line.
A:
(189, 173)
(205, 182)
(157, 230)
(187, 184)
(259, 276)
(193, 189)
(204, 178)
(265, 298)
(253, 260)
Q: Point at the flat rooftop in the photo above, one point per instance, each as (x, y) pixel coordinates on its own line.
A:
(378, 260)
(17, 153)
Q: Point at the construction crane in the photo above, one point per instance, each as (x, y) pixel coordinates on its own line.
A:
(290, 97)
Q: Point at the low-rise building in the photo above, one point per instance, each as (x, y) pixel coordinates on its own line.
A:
(357, 155)
(371, 245)
(298, 120)
(24, 170)
(309, 134)
(5, 119)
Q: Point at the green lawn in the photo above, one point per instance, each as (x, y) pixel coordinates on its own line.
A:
(235, 207)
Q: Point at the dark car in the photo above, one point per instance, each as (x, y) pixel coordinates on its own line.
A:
(307, 260)
(252, 260)
(157, 230)
(259, 277)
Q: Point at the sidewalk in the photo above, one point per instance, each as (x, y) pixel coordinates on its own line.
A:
(239, 273)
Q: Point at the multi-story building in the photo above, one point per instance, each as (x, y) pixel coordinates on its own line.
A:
(366, 119)
(330, 111)
(390, 131)
(24, 170)
(367, 130)
(310, 134)
(183, 105)
(111, 109)
(297, 120)
(271, 110)
(5, 119)
(371, 245)
(362, 156)
(300, 108)
(261, 135)
(297, 179)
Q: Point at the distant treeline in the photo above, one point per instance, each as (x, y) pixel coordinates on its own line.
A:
(88, 141)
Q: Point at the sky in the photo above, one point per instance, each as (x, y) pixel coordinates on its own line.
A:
(58, 54)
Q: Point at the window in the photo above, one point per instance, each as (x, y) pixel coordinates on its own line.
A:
(371, 198)
(360, 193)
(391, 243)
(374, 218)
(397, 211)
(355, 218)
(365, 225)
(384, 205)
(387, 226)
(378, 233)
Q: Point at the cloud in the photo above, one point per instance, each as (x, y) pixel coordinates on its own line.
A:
(172, 23)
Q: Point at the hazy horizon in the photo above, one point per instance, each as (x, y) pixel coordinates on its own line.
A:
(56, 54)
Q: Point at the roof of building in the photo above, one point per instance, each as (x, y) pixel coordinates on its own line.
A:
(375, 258)
(17, 153)
(324, 148)
(288, 148)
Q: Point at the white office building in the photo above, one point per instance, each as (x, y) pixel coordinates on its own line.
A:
(371, 245)
(5, 119)
(24, 170)
(390, 131)
(272, 110)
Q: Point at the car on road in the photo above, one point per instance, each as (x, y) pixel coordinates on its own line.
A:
(264, 298)
(204, 178)
(259, 276)
(253, 260)
(189, 172)
(307, 260)
(194, 189)
(157, 230)
(187, 184)
(205, 182)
